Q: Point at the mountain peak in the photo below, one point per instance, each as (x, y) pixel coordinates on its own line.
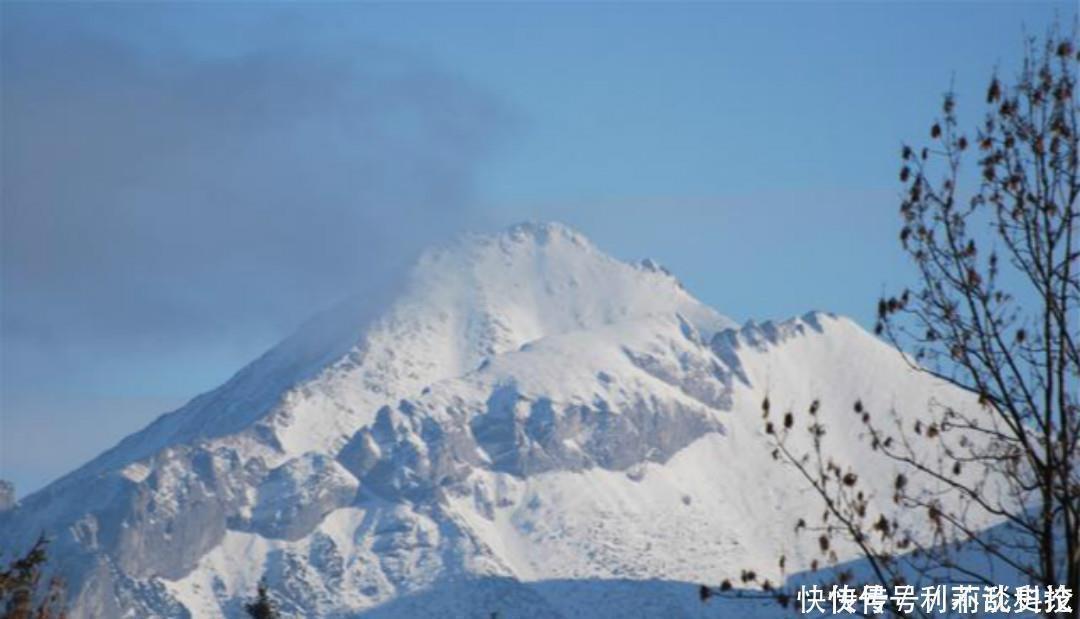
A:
(522, 406)
(464, 302)
(544, 231)
(553, 277)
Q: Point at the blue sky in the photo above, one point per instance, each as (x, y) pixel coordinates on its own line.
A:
(220, 164)
(751, 147)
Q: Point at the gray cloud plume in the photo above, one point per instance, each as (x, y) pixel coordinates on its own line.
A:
(156, 201)
(147, 195)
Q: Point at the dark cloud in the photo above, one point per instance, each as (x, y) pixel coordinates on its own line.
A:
(154, 196)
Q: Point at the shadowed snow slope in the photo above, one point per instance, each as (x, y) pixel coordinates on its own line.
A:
(525, 426)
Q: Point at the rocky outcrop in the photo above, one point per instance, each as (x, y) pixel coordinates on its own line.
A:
(7, 495)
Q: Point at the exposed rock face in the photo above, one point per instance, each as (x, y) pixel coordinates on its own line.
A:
(294, 497)
(525, 409)
(7, 495)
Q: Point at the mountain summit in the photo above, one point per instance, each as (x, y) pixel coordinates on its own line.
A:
(526, 426)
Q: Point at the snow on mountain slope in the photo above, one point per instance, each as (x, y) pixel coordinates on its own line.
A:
(524, 426)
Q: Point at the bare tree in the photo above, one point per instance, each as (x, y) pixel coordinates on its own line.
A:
(995, 310)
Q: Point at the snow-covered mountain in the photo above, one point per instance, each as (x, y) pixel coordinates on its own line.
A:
(525, 427)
